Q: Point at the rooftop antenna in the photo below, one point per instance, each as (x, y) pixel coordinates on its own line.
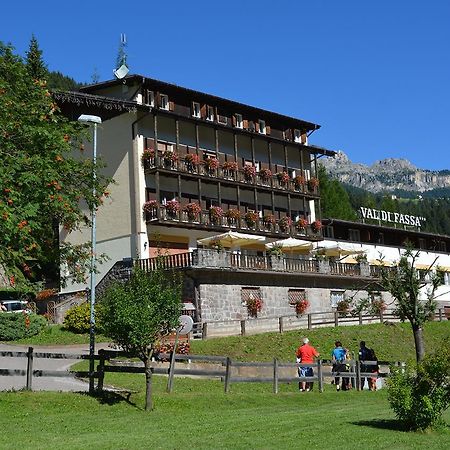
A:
(121, 64)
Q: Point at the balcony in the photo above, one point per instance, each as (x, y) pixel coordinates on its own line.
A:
(213, 259)
(229, 172)
(173, 214)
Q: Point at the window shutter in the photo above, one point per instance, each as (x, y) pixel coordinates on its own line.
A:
(303, 138)
(233, 118)
(171, 106)
(257, 127)
(203, 110)
(245, 124)
(267, 129)
(158, 99)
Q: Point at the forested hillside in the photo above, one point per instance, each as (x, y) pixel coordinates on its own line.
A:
(342, 201)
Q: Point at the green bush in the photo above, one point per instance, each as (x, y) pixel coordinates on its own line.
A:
(420, 398)
(15, 326)
(77, 318)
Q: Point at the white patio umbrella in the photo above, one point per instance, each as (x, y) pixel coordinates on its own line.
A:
(338, 250)
(291, 245)
(232, 239)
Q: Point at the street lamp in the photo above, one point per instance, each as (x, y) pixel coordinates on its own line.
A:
(88, 119)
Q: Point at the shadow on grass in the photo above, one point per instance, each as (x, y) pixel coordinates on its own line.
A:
(112, 398)
(383, 424)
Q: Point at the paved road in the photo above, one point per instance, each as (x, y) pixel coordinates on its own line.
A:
(43, 383)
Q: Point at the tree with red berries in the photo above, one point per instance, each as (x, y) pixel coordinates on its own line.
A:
(44, 179)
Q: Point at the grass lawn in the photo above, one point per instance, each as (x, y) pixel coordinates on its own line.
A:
(391, 342)
(199, 415)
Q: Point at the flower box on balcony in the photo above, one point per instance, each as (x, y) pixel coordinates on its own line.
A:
(215, 215)
(172, 208)
(170, 158)
(285, 224)
(150, 209)
(193, 210)
(283, 178)
(313, 183)
(316, 226)
(211, 165)
(233, 216)
(301, 225)
(251, 218)
(299, 182)
(269, 221)
(191, 161)
(249, 172)
(265, 175)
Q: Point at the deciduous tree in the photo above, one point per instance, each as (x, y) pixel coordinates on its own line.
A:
(43, 184)
(137, 314)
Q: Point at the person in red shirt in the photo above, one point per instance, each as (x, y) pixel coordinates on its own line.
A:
(305, 354)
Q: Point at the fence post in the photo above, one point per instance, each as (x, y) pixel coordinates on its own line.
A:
(101, 370)
(319, 375)
(29, 368)
(204, 330)
(275, 375)
(440, 314)
(309, 321)
(336, 318)
(243, 327)
(280, 324)
(381, 317)
(358, 374)
(360, 317)
(171, 371)
(228, 375)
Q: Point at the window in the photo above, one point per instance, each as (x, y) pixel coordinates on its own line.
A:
(164, 101)
(328, 231)
(296, 295)
(239, 121)
(422, 244)
(297, 136)
(250, 293)
(336, 297)
(210, 113)
(149, 97)
(353, 235)
(262, 126)
(196, 109)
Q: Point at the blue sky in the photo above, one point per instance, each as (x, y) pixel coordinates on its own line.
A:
(375, 75)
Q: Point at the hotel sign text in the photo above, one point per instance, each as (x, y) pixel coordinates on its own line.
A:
(387, 216)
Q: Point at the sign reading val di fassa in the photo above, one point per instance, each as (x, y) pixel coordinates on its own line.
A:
(387, 216)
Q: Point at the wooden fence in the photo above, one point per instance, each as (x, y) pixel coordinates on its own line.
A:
(227, 370)
(293, 322)
(29, 372)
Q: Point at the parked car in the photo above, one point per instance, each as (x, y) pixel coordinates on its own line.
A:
(15, 306)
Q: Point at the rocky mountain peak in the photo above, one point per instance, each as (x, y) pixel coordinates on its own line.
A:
(385, 175)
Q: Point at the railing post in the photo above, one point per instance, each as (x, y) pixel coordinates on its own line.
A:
(243, 327)
(275, 375)
(227, 375)
(336, 318)
(101, 370)
(280, 324)
(320, 375)
(29, 368)
(309, 321)
(358, 374)
(204, 330)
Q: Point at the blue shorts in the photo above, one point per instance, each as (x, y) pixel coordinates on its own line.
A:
(305, 372)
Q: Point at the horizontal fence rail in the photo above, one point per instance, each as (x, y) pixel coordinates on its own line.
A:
(222, 367)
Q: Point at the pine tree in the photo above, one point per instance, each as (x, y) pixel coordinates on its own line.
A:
(34, 62)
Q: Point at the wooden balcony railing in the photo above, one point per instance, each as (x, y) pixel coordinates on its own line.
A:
(163, 213)
(238, 175)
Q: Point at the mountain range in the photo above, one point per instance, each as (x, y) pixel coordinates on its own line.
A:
(386, 175)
